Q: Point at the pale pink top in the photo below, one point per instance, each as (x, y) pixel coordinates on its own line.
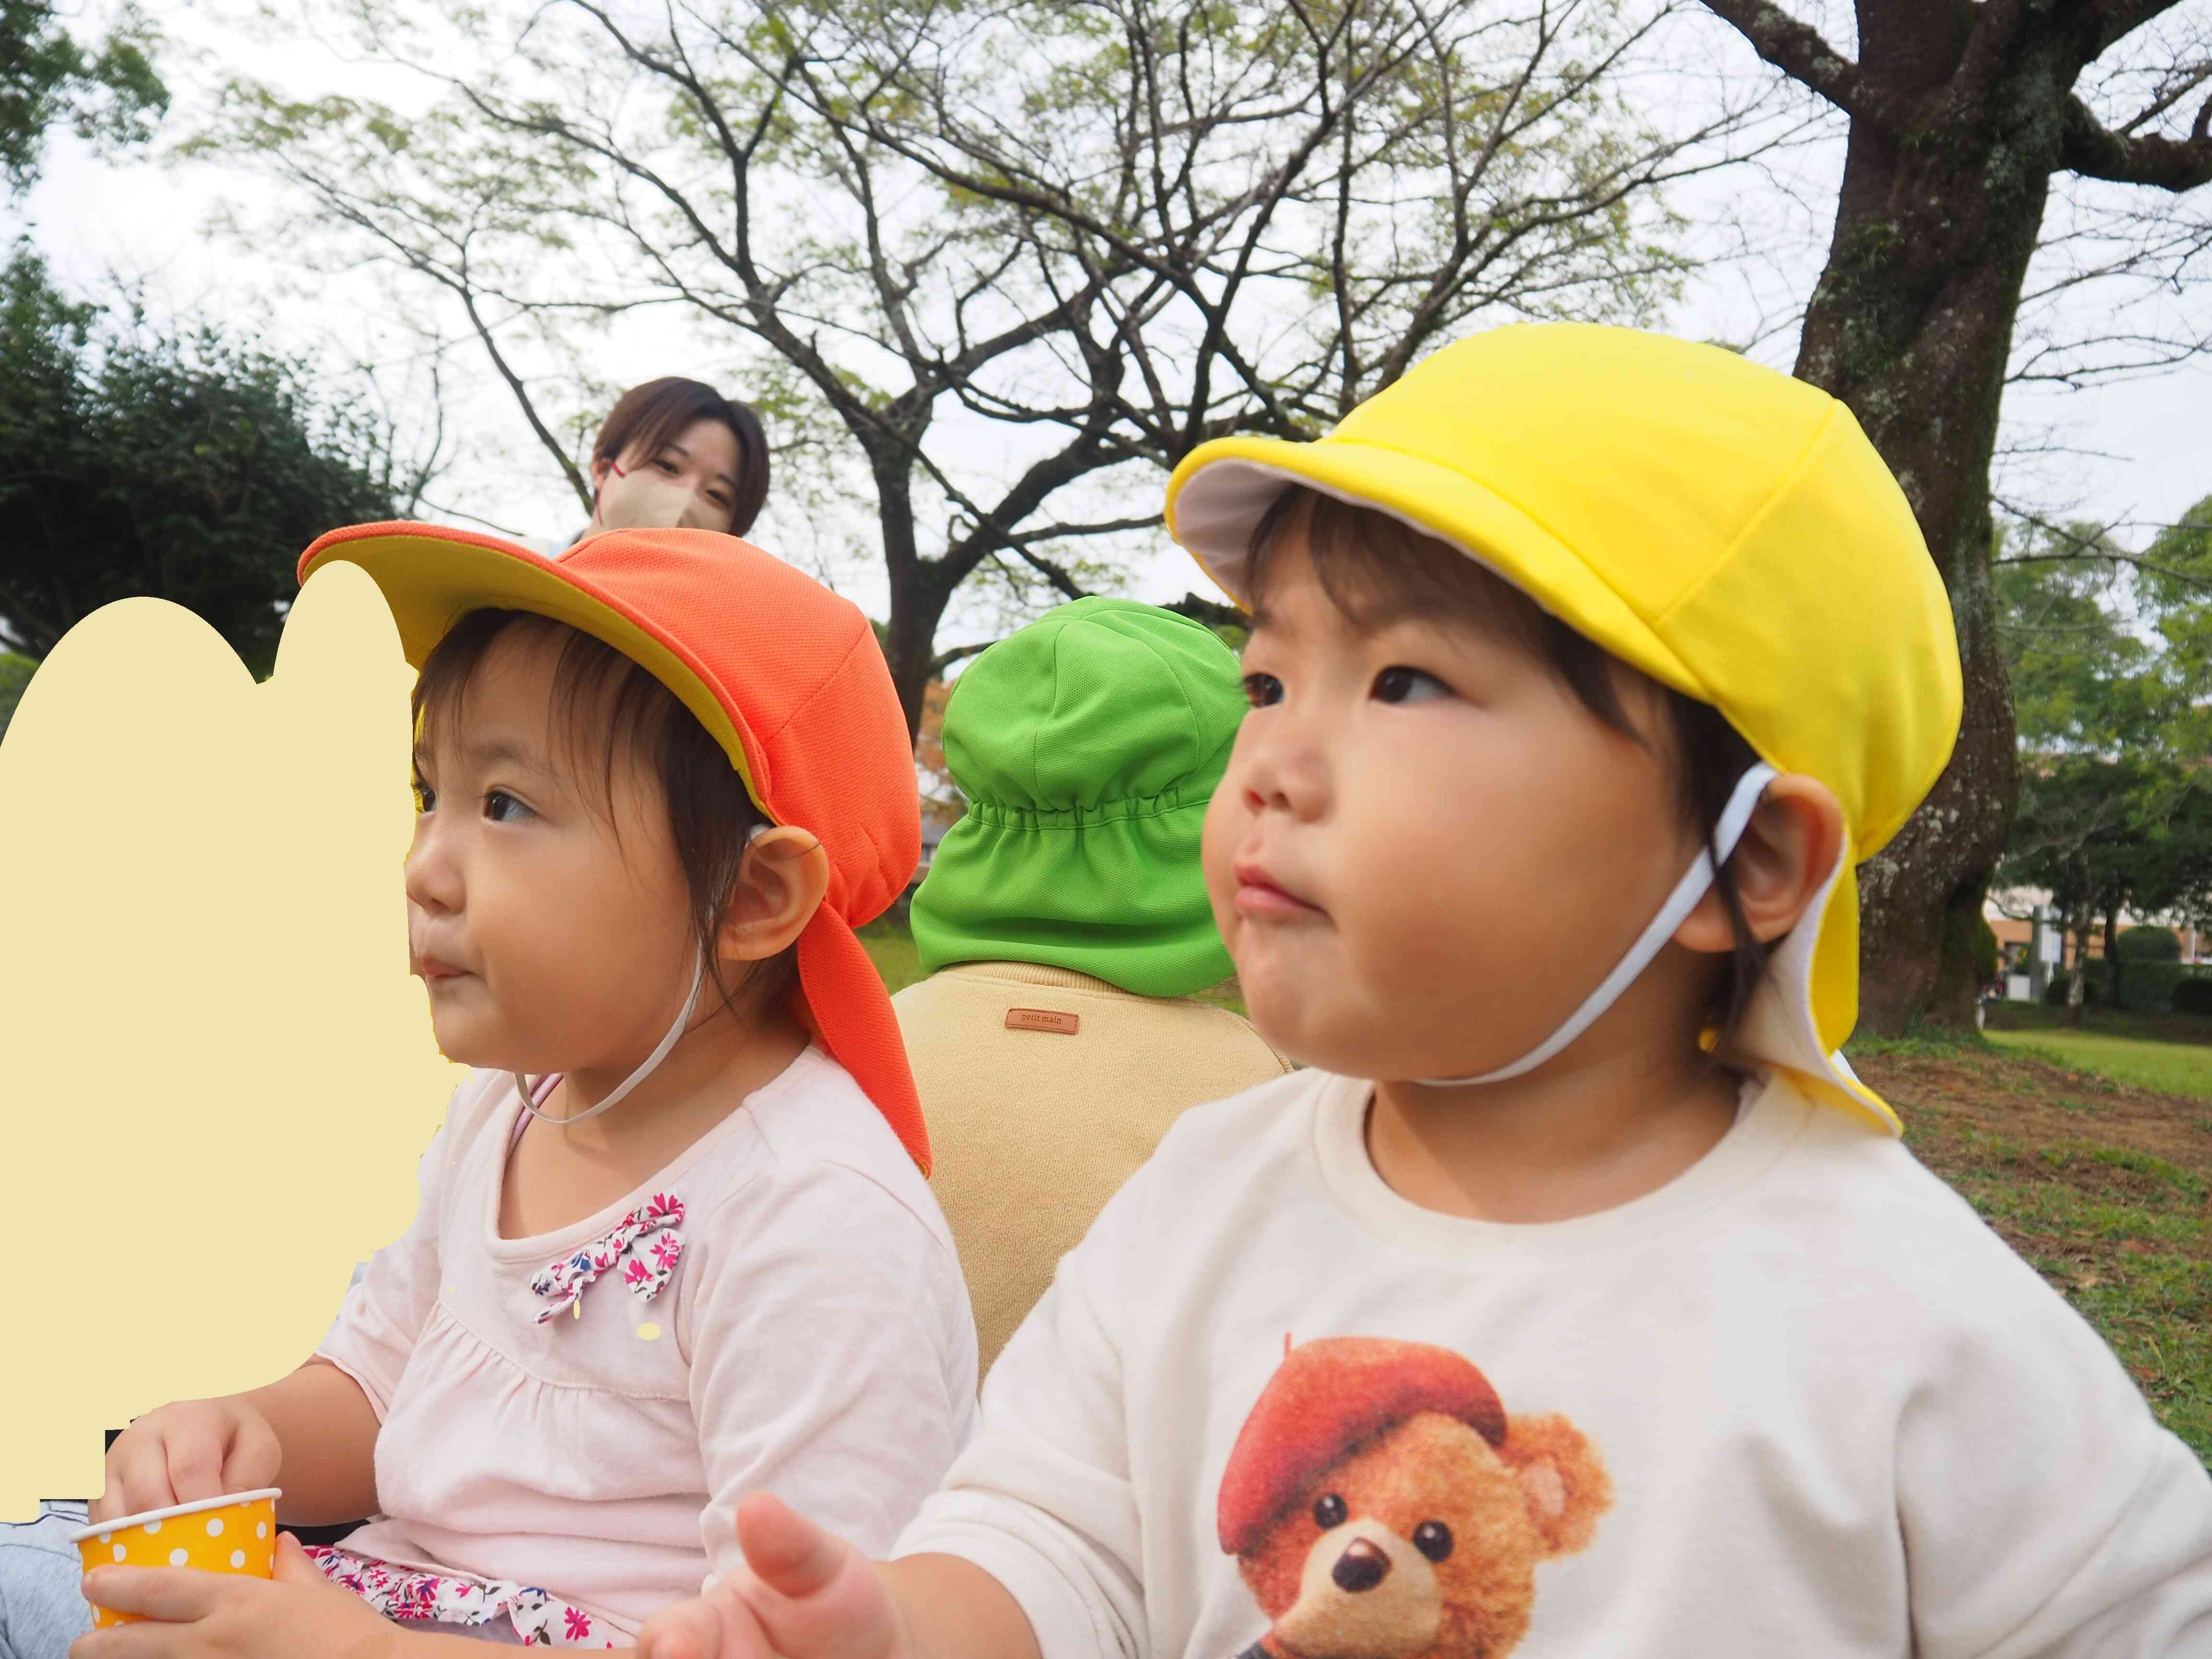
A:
(814, 1340)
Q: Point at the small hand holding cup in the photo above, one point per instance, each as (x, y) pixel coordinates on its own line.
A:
(234, 1534)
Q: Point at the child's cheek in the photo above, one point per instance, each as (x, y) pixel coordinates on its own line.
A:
(1227, 820)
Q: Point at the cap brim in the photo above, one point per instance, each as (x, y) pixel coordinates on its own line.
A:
(432, 576)
(1218, 495)
(852, 1015)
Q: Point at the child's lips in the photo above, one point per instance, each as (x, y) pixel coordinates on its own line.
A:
(1260, 896)
(432, 971)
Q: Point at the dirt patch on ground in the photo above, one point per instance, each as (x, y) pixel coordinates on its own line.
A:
(2035, 1102)
(2105, 1189)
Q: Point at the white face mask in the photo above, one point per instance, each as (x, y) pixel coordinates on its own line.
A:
(1736, 818)
(646, 500)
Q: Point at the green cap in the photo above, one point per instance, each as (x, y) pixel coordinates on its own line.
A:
(1087, 745)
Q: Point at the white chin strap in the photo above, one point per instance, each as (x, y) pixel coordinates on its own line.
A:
(527, 1086)
(1685, 898)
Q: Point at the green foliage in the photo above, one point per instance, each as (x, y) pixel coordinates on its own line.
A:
(1985, 950)
(2104, 836)
(2150, 944)
(2054, 994)
(2110, 656)
(189, 466)
(2108, 651)
(15, 679)
(2175, 588)
(109, 94)
(2077, 673)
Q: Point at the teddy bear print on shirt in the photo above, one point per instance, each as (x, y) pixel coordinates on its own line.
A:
(1381, 1504)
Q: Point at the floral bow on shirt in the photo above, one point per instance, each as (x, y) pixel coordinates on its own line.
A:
(647, 1272)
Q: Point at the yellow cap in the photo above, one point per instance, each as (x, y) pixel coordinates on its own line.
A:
(1724, 528)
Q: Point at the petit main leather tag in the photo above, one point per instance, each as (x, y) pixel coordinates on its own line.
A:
(1043, 1019)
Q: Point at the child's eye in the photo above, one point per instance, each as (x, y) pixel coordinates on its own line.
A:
(1262, 689)
(426, 798)
(1401, 684)
(502, 808)
(668, 465)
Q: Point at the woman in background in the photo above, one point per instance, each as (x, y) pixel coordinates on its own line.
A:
(674, 452)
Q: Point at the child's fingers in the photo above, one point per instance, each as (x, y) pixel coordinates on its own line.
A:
(196, 1439)
(292, 1565)
(253, 1455)
(716, 1625)
(156, 1593)
(791, 1555)
(816, 1596)
(137, 1478)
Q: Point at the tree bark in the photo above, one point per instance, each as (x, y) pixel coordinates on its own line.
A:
(1944, 186)
(2078, 987)
(1960, 111)
(2112, 957)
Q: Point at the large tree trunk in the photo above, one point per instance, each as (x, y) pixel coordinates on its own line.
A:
(2112, 957)
(918, 594)
(1911, 326)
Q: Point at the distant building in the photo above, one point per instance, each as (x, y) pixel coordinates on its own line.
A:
(2014, 917)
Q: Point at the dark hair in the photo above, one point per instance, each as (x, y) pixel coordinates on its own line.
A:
(1367, 563)
(653, 416)
(606, 706)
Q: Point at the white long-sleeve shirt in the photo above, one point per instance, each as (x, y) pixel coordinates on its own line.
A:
(1837, 1416)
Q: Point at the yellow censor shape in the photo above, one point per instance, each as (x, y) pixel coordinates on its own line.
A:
(219, 1075)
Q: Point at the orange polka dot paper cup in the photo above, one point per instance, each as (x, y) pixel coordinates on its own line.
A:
(236, 1533)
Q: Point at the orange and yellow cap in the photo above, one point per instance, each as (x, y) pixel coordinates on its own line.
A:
(785, 674)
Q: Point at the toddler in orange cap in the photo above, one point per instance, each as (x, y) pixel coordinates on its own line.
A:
(676, 1240)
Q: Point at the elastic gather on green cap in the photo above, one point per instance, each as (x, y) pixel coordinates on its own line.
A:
(1088, 746)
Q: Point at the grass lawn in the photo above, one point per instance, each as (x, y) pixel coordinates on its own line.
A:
(890, 947)
(2100, 1183)
(2172, 1053)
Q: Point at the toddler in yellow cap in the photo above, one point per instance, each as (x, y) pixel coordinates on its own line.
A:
(1575, 1298)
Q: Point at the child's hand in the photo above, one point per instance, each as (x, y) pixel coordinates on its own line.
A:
(803, 1594)
(192, 1614)
(186, 1451)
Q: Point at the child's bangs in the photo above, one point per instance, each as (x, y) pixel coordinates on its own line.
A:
(1377, 569)
(603, 705)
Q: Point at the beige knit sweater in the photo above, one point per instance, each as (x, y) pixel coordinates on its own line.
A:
(1044, 1090)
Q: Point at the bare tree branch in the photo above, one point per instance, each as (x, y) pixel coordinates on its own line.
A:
(2095, 151)
(1795, 48)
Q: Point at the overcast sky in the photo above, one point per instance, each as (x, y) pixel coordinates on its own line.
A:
(2135, 453)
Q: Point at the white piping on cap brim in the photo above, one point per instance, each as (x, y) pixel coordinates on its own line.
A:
(124, 1522)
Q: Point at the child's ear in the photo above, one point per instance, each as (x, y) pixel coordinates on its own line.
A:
(1785, 856)
(1561, 1477)
(780, 886)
